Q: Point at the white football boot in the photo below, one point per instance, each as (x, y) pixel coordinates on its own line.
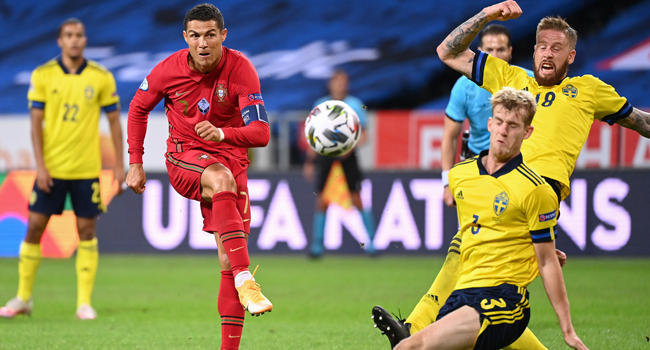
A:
(16, 306)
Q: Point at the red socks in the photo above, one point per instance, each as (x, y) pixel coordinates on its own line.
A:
(231, 311)
(231, 230)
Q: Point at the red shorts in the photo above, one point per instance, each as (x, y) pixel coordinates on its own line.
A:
(185, 171)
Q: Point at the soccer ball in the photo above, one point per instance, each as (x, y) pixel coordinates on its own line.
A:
(332, 128)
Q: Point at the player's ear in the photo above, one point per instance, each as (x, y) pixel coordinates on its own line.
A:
(572, 56)
(185, 36)
(529, 131)
(490, 124)
(224, 33)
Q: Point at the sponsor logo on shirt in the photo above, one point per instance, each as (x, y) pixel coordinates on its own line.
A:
(221, 92)
(145, 85)
(202, 156)
(500, 203)
(547, 216)
(204, 106)
(253, 97)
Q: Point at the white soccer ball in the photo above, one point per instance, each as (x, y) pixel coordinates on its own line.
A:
(332, 128)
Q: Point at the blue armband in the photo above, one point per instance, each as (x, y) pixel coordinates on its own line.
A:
(253, 113)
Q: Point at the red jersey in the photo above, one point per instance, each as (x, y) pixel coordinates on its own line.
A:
(191, 97)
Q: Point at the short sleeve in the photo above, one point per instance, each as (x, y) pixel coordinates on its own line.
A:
(610, 106)
(36, 94)
(493, 74)
(541, 209)
(109, 97)
(456, 108)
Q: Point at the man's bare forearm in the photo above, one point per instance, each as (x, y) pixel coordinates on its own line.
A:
(638, 121)
(459, 39)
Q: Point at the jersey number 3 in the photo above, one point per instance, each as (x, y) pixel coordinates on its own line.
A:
(476, 226)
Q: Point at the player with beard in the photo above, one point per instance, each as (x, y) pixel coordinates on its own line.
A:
(567, 106)
(215, 111)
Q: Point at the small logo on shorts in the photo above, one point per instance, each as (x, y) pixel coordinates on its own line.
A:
(32, 198)
(204, 106)
(203, 156)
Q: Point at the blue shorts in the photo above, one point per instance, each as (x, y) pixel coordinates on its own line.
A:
(503, 310)
(84, 194)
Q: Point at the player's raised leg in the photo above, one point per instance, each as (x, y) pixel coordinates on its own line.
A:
(426, 311)
(29, 260)
(219, 186)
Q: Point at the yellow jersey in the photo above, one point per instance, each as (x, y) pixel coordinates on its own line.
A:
(71, 104)
(501, 215)
(564, 115)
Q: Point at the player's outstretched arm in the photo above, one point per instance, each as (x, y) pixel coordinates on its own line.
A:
(638, 121)
(136, 178)
(454, 50)
(551, 272)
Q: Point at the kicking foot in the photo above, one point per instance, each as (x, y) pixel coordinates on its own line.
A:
(86, 312)
(16, 306)
(395, 330)
(252, 299)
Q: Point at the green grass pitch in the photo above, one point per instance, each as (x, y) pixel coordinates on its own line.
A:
(170, 302)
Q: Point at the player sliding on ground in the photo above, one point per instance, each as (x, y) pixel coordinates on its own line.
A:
(215, 111)
(507, 215)
(567, 106)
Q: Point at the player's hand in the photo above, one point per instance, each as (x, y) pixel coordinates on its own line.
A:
(136, 178)
(44, 180)
(448, 197)
(503, 11)
(207, 131)
(572, 340)
(561, 256)
(118, 177)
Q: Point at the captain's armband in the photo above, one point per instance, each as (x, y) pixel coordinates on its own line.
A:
(254, 113)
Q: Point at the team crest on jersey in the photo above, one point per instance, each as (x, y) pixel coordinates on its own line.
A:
(500, 203)
(204, 106)
(570, 91)
(89, 92)
(144, 86)
(202, 156)
(221, 92)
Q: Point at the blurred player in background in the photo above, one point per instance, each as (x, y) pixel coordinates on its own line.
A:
(215, 112)
(338, 87)
(507, 215)
(471, 102)
(65, 98)
(567, 106)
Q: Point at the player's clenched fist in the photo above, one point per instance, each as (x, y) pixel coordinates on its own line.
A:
(503, 11)
(208, 132)
(136, 178)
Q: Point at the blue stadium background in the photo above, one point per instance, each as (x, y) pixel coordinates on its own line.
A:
(388, 47)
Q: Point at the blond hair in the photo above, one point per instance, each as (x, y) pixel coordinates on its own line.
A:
(560, 25)
(521, 102)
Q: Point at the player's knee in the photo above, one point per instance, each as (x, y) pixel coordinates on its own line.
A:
(218, 181)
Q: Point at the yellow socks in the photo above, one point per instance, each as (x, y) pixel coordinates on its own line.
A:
(426, 311)
(87, 258)
(527, 341)
(30, 258)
